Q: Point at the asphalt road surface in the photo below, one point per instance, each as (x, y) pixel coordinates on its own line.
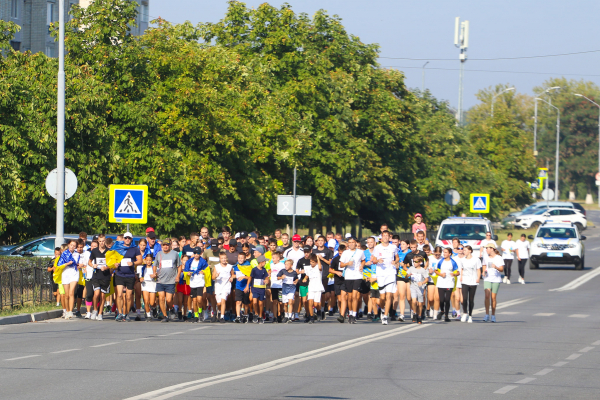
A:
(545, 345)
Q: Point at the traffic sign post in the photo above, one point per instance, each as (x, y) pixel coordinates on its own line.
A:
(295, 206)
(128, 204)
(542, 178)
(452, 197)
(480, 203)
(70, 183)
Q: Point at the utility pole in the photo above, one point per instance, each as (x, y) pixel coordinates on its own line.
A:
(60, 129)
(294, 205)
(556, 180)
(461, 41)
(423, 83)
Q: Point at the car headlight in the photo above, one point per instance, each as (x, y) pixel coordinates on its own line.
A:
(540, 245)
(572, 246)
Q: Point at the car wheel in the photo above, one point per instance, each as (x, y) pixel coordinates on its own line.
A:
(579, 227)
(533, 265)
(535, 225)
(580, 265)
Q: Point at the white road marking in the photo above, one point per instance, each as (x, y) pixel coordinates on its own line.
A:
(186, 387)
(20, 358)
(578, 316)
(503, 305)
(526, 380)
(586, 349)
(573, 356)
(135, 340)
(505, 389)
(596, 343)
(176, 333)
(560, 363)
(544, 314)
(63, 351)
(508, 312)
(544, 372)
(197, 329)
(595, 248)
(579, 281)
(105, 344)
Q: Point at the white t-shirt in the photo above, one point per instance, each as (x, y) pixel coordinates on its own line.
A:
(421, 246)
(294, 255)
(314, 278)
(508, 246)
(448, 281)
(492, 274)
(433, 264)
(482, 249)
(224, 274)
(386, 272)
(275, 268)
(523, 248)
(196, 280)
(355, 256)
(468, 270)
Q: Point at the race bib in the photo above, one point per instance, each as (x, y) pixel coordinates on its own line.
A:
(101, 262)
(288, 280)
(89, 271)
(166, 264)
(258, 282)
(125, 261)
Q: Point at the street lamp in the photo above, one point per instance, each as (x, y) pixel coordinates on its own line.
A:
(557, 144)
(498, 94)
(597, 105)
(423, 84)
(535, 152)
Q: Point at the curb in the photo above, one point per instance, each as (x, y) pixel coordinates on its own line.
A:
(23, 318)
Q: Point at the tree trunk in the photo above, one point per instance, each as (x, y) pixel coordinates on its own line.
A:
(328, 226)
(339, 228)
(311, 226)
(353, 227)
(359, 223)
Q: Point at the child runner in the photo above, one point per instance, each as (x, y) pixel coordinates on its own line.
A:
(315, 286)
(303, 283)
(196, 269)
(508, 248)
(242, 287)
(418, 280)
(492, 272)
(446, 271)
(288, 289)
(276, 266)
(469, 276)
(223, 279)
(260, 278)
(148, 285)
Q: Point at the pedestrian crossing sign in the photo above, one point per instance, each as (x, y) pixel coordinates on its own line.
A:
(128, 204)
(480, 203)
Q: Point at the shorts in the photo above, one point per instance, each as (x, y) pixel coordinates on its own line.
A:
(352, 285)
(54, 287)
(275, 294)
(222, 291)
(258, 293)
(149, 286)
(210, 289)
(327, 286)
(287, 297)
(185, 289)
(416, 292)
(61, 289)
(69, 275)
(196, 292)
(405, 280)
(303, 291)
(123, 281)
(241, 296)
(389, 288)
(101, 285)
(493, 286)
(374, 293)
(79, 291)
(165, 287)
(365, 288)
(338, 287)
(315, 296)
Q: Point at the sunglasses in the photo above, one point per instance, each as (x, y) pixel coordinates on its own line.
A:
(460, 248)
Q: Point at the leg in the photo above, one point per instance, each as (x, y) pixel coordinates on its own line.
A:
(522, 264)
(407, 291)
(465, 292)
(137, 287)
(129, 298)
(507, 268)
(494, 303)
(488, 293)
(161, 303)
(472, 290)
(119, 292)
(146, 301)
(401, 295)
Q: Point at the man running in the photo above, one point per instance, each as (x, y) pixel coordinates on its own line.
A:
(324, 255)
(385, 255)
(353, 261)
(168, 268)
(125, 277)
(101, 277)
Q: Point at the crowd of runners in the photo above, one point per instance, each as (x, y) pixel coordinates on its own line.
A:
(252, 278)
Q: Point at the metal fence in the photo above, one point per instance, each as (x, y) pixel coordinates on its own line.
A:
(25, 285)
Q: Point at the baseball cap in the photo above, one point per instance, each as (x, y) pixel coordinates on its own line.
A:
(261, 259)
(232, 242)
(197, 250)
(307, 249)
(128, 234)
(214, 243)
(418, 215)
(243, 234)
(280, 249)
(331, 243)
(348, 235)
(149, 229)
(260, 249)
(237, 235)
(253, 234)
(296, 238)
(151, 235)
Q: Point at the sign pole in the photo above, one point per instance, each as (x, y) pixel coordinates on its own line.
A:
(60, 129)
(294, 205)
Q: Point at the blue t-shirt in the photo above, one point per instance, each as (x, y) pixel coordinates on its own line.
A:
(258, 274)
(240, 284)
(402, 254)
(127, 271)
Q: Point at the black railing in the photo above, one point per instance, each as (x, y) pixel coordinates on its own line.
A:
(25, 285)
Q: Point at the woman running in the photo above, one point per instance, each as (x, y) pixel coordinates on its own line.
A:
(148, 286)
(402, 281)
(70, 276)
(470, 274)
(492, 272)
(446, 270)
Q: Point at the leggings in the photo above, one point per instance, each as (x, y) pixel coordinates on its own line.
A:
(468, 292)
(507, 265)
(445, 295)
(522, 263)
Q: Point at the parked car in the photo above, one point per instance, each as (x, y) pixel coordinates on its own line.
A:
(42, 246)
(557, 243)
(568, 215)
(469, 230)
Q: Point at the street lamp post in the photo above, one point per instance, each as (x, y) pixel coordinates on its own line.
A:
(60, 129)
(423, 83)
(557, 147)
(498, 94)
(597, 105)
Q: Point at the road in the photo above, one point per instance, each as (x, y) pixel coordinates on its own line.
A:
(546, 344)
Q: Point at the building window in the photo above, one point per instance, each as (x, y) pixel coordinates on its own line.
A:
(50, 51)
(15, 45)
(49, 13)
(145, 12)
(14, 8)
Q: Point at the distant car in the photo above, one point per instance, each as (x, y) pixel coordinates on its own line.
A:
(568, 215)
(469, 230)
(557, 243)
(42, 246)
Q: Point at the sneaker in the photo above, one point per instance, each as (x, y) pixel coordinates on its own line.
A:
(341, 319)
(190, 314)
(180, 316)
(289, 321)
(165, 319)
(237, 320)
(401, 318)
(522, 281)
(504, 280)
(453, 313)
(119, 318)
(331, 313)
(127, 318)
(376, 318)
(261, 321)
(447, 319)
(493, 318)
(250, 317)
(360, 315)
(88, 315)
(508, 281)
(149, 317)
(296, 318)
(440, 316)
(94, 315)
(138, 318)
(279, 319)
(458, 317)
(276, 320)
(414, 318)
(222, 320)
(370, 317)
(99, 317)
(310, 321)
(77, 314)
(284, 320)
(428, 314)
(154, 313)
(384, 320)
(307, 319)
(314, 318)
(486, 318)
(353, 320)
(213, 319)
(464, 318)
(255, 320)
(470, 320)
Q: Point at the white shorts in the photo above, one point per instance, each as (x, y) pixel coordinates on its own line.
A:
(285, 298)
(149, 287)
(458, 283)
(69, 275)
(389, 288)
(315, 296)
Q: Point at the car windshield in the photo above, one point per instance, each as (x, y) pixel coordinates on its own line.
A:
(463, 231)
(557, 233)
(540, 212)
(528, 209)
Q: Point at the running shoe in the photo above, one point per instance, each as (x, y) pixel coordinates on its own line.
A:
(384, 320)
(94, 315)
(353, 320)
(149, 317)
(440, 316)
(222, 320)
(88, 315)
(522, 281)
(470, 320)
(138, 318)
(453, 313)
(99, 317)
(310, 321)
(289, 321)
(127, 318)
(341, 319)
(401, 318)
(447, 319)
(508, 281)
(78, 314)
(237, 320)
(360, 315)
(261, 321)
(370, 317)
(279, 319)
(458, 317)
(493, 318)
(165, 319)
(190, 314)
(486, 318)
(504, 280)
(284, 320)
(314, 318)
(414, 318)
(331, 312)
(213, 319)
(119, 318)
(464, 318)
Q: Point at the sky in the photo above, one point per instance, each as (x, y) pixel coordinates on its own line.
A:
(416, 31)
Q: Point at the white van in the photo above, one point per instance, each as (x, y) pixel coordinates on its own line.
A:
(469, 230)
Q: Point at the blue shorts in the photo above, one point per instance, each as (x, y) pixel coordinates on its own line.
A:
(165, 287)
(258, 294)
(288, 289)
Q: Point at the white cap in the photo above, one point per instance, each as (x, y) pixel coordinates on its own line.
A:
(348, 235)
(128, 234)
(237, 235)
(331, 243)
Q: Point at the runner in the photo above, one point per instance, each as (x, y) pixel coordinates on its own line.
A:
(69, 277)
(457, 298)
(168, 267)
(82, 258)
(385, 255)
(288, 289)
(101, 277)
(211, 255)
(182, 292)
(508, 246)
(324, 255)
(276, 284)
(370, 279)
(446, 270)
(295, 252)
(198, 272)
(522, 253)
(484, 243)
(353, 262)
(470, 273)
(418, 281)
(285, 239)
(405, 256)
(88, 273)
(148, 284)
(492, 272)
(125, 276)
(242, 271)
(260, 279)
(223, 279)
(315, 285)
(338, 282)
(303, 283)
(433, 295)
(51, 269)
(137, 286)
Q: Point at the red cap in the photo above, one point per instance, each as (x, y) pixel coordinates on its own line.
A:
(149, 229)
(418, 215)
(296, 238)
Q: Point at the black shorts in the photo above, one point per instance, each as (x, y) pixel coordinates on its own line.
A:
(374, 294)
(328, 288)
(275, 294)
(210, 289)
(365, 287)
(101, 285)
(196, 292)
(54, 287)
(398, 279)
(243, 297)
(122, 281)
(79, 292)
(351, 285)
(338, 287)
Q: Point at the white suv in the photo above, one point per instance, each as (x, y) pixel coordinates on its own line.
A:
(563, 214)
(469, 230)
(557, 243)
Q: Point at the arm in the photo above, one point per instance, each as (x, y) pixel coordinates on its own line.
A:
(138, 260)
